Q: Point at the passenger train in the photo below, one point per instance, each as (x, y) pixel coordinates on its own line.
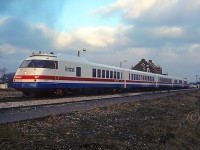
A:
(50, 73)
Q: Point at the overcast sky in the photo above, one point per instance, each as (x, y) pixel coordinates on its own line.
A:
(165, 31)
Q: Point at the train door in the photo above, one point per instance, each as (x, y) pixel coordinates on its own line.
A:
(125, 78)
(156, 81)
(53, 73)
(56, 72)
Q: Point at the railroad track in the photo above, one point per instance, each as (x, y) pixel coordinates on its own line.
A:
(21, 98)
(11, 111)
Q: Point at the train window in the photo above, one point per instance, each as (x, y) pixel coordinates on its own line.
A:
(39, 64)
(111, 74)
(121, 75)
(118, 75)
(107, 73)
(103, 73)
(78, 71)
(131, 76)
(115, 75)
(99, 73)
(94, 73)
(167, 80)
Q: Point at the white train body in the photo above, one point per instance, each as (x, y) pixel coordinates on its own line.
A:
(47, 72)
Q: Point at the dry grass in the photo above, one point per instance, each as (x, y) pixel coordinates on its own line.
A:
(153, 124)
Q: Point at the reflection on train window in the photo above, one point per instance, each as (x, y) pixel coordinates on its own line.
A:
(111, 74)
(99, 73)
(115, 75)
(94, 74)
(166, 80)
(78, 71)
(103, 73)
(136, 77)
(107, 73)
(118, 75)
(39, 64)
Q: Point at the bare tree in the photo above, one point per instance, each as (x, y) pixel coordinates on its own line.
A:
(2, 72)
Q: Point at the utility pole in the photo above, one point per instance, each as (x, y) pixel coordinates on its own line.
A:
(3, 72)
(196, 78)
(120, 65)
(79, 51)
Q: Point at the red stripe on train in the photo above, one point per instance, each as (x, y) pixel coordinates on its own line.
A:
(29, 77)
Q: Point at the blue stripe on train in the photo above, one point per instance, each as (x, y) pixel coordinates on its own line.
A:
(53, 85)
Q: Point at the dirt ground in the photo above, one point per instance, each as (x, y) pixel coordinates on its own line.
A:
(168, 123)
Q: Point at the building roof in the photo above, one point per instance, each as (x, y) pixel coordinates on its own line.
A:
(147, 66)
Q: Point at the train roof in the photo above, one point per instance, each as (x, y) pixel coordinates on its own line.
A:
(57, 57)
(65, 57)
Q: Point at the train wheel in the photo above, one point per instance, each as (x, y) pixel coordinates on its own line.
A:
(59, 92)
(26, 94)
(31, 94)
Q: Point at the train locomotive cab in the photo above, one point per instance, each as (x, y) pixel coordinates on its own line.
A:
(37, 74)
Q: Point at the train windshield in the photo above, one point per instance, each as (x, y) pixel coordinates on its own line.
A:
(39, 64)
